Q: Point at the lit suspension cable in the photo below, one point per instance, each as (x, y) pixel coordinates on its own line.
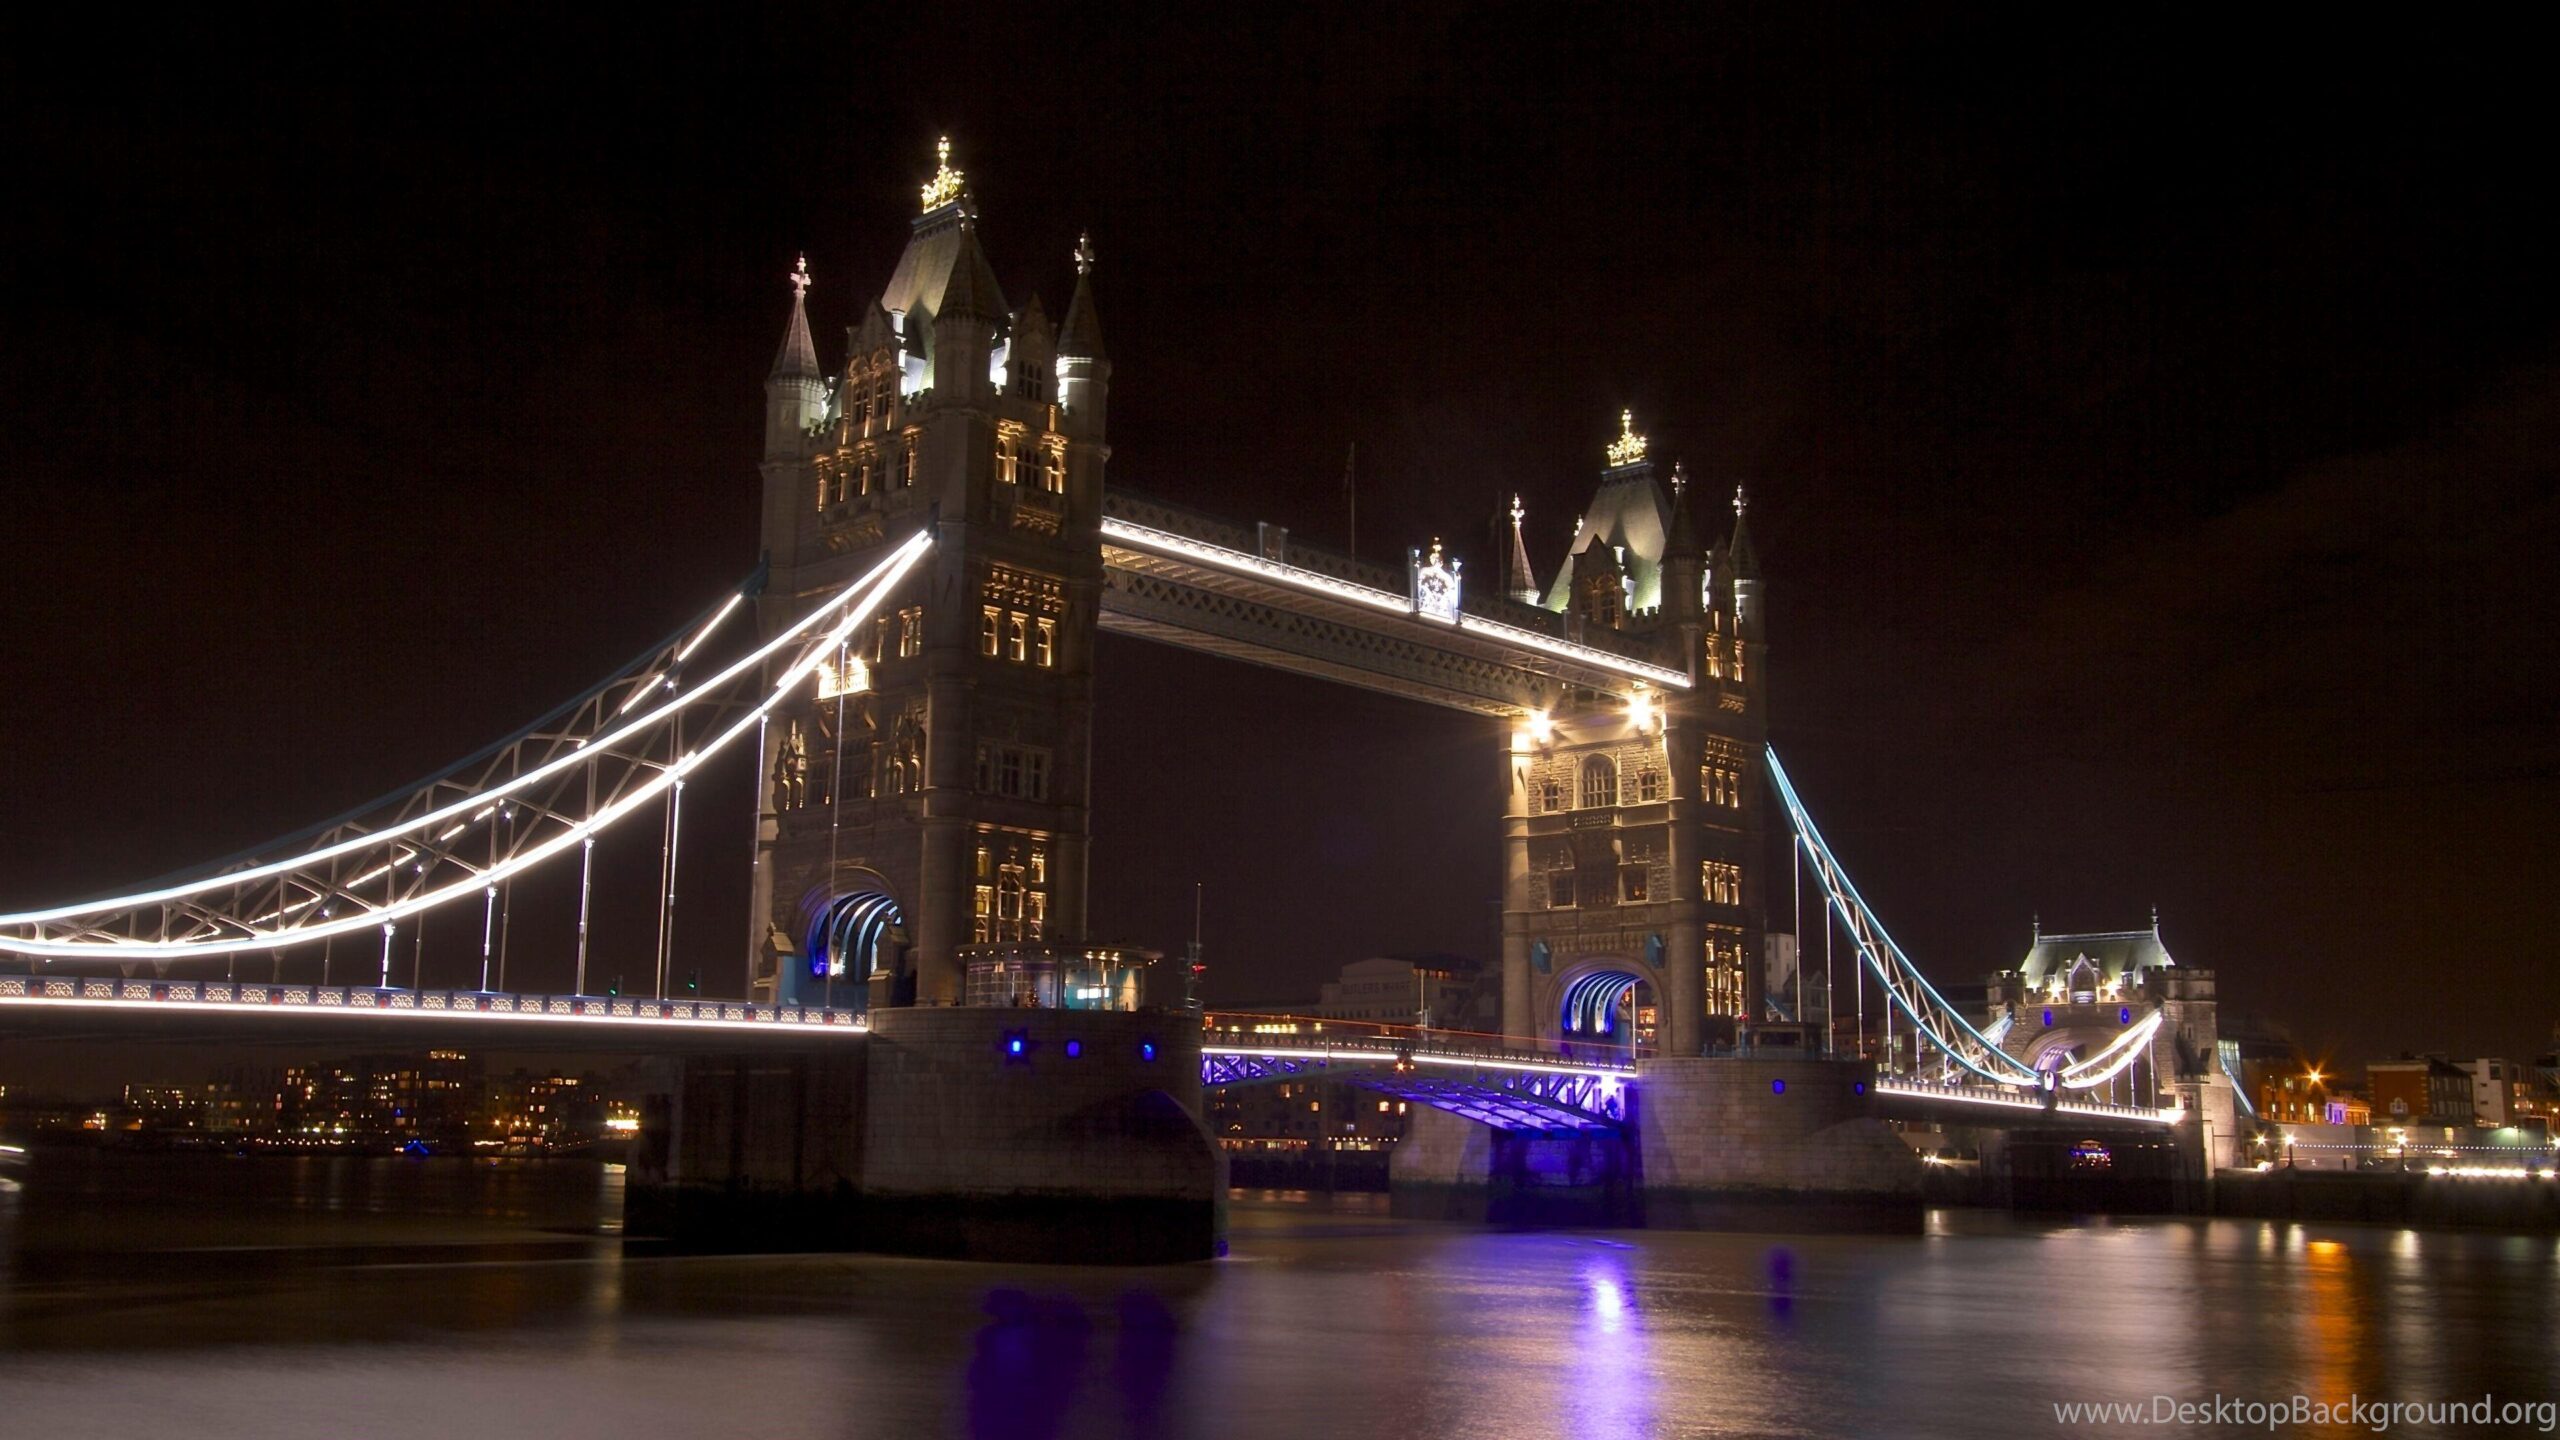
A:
(877, 582)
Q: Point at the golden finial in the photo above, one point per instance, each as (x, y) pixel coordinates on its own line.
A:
(1517, 514)
(944, 187)
(1628, 448)
(800, 279)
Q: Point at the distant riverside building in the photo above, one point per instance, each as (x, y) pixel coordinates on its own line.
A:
(1446, 992)
(2420, 1089)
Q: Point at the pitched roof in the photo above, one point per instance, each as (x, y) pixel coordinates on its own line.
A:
(798, 357)
(1627, 513)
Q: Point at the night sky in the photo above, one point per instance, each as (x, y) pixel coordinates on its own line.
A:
(2149, 424)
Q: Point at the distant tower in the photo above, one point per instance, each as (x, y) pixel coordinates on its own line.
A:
(1636, 898)
(929, 793)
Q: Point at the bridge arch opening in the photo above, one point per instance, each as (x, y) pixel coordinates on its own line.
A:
(852, 938)
(1609, 1006)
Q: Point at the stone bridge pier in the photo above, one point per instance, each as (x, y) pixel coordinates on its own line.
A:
(993, 1134)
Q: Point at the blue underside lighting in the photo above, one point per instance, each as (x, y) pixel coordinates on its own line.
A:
(1147, 1051)
(2125, 1016)
(845, 934)
(1074, 1048)
(1591, 1002)
(1016, 1043)
(1777, 1087)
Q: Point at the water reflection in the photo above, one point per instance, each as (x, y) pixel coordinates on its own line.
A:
(413, 1300)
(1612, 1381)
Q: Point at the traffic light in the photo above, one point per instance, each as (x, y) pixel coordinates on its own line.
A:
(613, 986)
(693, 982)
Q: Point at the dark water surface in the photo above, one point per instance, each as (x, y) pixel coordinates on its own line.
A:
(197, 1296)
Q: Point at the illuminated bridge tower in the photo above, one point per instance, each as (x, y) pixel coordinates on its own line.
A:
(1634, 898)
(930, 790)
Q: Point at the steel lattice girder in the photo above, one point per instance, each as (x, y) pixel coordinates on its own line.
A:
(1540, 1102)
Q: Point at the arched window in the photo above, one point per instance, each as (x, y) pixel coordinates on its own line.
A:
(1053, 469)
(1599, 782)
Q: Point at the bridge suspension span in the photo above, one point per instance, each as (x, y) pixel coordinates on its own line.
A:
(457, 837)
(1959, 1045)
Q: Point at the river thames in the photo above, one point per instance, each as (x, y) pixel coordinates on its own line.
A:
(202, 1296)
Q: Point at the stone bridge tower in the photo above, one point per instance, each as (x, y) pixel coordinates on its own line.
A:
(1634, 898)
(929, 792)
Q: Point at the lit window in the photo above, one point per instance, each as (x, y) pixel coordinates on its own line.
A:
(1045, 651)
(1631, 884)
(1599, 783)
(985, 911)
(911, 632)
(988, 621)
(1039, 867)
(1016, 638)
(1053, 468)
(907, 465)
(1008, 457)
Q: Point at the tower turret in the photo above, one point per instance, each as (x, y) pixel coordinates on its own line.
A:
(1684, 558)
(1519, 578)
(1084, 367)
(795, 393)
(1744, 566)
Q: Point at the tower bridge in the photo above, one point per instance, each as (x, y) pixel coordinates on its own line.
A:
(912, 664)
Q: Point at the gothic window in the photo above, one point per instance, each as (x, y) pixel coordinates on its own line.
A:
(881, 396)
(862, 473)
(910, 632)
(1631, 880)
(1045, 648)
(982, 913)
(1599, 783)
(990, 621)
(791, 770)
(1039, 867)
(1649, 785)
(907, 465)
(1053, 469)
(1551, 797)
(1035, 914)
(1016, 642)
(1019, 771)
(879, 638)
(906, 757)
(1008, 457)
(1559, 889)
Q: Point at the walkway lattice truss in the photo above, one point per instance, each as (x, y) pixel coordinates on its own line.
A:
(1508, 1091)
(455, 838)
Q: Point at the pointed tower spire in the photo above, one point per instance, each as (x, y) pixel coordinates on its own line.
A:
(1745, 563)
(1084, 366)
(798, 357)
(795, 394)
(1681, 535)
(1082, 334)
(1520, 580)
